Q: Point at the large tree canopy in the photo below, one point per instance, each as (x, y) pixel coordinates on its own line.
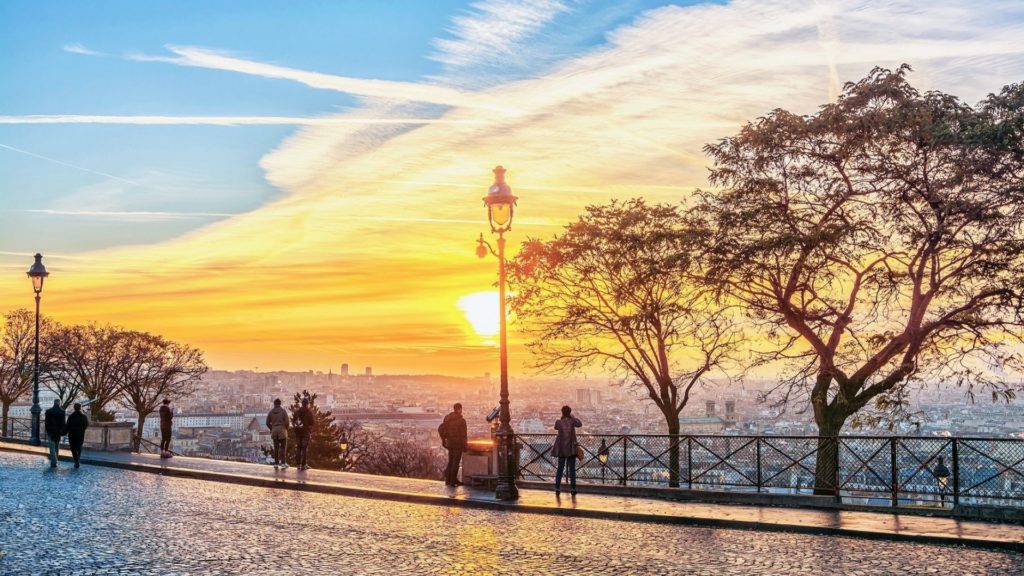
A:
(607, 292)
(878, 242)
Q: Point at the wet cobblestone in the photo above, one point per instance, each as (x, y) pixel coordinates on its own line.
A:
(107, 521)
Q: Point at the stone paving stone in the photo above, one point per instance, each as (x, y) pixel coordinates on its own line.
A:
(98, 520)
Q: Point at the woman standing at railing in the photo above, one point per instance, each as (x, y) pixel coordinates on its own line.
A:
(565, 449)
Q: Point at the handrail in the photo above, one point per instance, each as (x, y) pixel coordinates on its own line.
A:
(859, 469)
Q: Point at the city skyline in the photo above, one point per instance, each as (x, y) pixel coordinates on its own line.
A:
(296, 189)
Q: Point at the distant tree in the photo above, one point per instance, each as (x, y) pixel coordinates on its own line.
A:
(17, 348)
(325, 442)
(91, 359)
(609, 292)
(878, 243)
(400, 457)
(356, 440)
(154, 369)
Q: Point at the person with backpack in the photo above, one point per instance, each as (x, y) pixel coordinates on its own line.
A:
(304, 422)
(565, 449)
(454, 437)
(75, 429)
(277, 422)
(55, 421)
(166, 425)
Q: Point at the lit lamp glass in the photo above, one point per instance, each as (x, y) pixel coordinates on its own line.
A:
(500, 202)
(602, 453)
(343, 444)
(38, 273)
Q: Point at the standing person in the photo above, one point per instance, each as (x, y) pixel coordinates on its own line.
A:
(454, 438)
(55, 421)
(75, 428)
(166, 421)
(277, 421)
(565, 449)
(304, 422)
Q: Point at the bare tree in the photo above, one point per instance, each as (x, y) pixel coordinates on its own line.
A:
(17, 342)
(89, 360)
(399, 457)
(154, 369)
(878, 243)
(609, 292)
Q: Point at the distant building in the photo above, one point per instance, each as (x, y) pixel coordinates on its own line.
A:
(709, 425)
(583, 398)
(710, 408)
(344, 369)
(730, 410)
(369, 370)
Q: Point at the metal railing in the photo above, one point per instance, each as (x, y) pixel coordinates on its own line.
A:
(21, 429)
(873, 470)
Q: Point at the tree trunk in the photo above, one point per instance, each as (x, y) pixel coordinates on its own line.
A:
(140, 422)
(672, 419)
(826, 468)
(5, 409)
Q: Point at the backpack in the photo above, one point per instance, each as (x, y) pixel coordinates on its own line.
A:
(442, 429)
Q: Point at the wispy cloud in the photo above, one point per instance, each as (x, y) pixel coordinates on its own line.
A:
(130, 215)
(385, 89)
(227, 120)
(77, 48)
(494, 31)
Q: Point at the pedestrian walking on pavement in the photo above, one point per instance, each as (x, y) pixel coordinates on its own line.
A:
(303, 425)
(454, 438)
(75, 429)
(55, 421)
(564, 449)
(166, 424)
(277, 421)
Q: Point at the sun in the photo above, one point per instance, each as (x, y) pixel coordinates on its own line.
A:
(481, 310)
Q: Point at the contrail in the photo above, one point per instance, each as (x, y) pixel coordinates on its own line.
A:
(70, 165)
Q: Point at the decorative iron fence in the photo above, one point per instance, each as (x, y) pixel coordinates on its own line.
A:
(874, 470)
(21, 429)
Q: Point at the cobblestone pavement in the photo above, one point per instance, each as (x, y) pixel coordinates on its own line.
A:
(106, 521)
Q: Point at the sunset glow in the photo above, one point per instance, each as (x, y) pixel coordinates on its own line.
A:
(295, 200)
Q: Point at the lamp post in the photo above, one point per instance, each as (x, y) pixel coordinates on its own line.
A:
(500, 204)
(941, 474)
(37, 273)
(602, 456)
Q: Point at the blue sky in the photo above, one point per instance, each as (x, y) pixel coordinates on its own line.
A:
(178, 162)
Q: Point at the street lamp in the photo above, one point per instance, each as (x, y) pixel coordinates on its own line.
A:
(500, 204)
(602, 457)
(344, 443)
(941, 474)
(37, 273)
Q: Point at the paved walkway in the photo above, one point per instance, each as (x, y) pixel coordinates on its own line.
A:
(853, 523)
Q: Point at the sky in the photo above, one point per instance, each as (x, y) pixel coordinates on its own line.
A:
(297, 185)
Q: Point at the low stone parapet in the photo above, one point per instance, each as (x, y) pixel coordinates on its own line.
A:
(109, 436)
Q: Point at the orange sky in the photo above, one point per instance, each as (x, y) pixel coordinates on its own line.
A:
(369, 251)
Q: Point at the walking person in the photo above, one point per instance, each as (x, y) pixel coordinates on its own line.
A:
(304, 422)
(55, 421)
(454, 438)
(166, 425)
(565, 449)
(277, 421)
(75, 428)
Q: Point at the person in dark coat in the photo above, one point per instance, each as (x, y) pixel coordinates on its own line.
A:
(55, 421)
(454, 438)
(564, 448)
(304, 422)
(277, 422)
(75, 429)
(166, 424)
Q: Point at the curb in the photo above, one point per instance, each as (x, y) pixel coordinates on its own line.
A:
(413, 498)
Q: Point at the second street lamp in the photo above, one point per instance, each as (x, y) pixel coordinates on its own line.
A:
(501, 204)
(37, 273)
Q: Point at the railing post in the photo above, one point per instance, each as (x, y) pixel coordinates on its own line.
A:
(894, 478)
(839, 493)
(956, 472)
(757, 446)
(625, 439)
(689, 462)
